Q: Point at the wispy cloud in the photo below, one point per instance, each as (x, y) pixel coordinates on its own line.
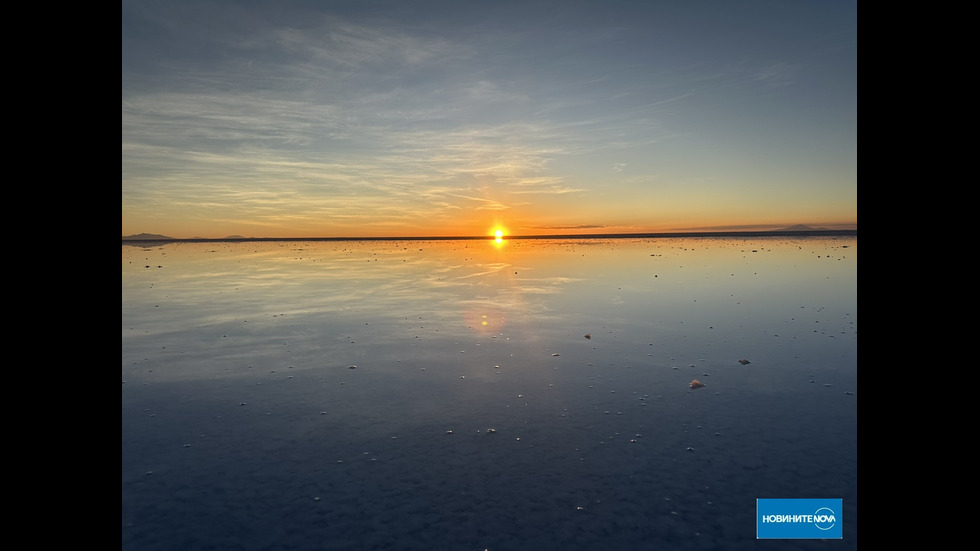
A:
(393, 115)
(777, 75)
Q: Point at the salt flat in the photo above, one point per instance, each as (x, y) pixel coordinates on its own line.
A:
(340, 395)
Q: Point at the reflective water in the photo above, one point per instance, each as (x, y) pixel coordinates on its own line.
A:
(338, 395)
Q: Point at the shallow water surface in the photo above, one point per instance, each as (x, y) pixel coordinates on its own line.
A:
(533, 394)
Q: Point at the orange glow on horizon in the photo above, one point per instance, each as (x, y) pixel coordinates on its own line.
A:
(472, 227)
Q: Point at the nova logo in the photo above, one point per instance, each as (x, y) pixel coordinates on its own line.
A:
(824, 518)
(798, 518)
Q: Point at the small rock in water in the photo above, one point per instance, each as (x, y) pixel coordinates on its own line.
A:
(695, 384)
(743, 361)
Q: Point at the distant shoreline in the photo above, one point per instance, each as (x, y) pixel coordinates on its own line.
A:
(771, 233)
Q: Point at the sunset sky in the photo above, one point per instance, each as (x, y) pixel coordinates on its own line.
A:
(440, 117)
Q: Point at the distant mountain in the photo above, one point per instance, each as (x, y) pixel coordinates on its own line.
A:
(802, 227)
(146, 237)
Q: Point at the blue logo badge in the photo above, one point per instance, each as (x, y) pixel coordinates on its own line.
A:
(799, 519)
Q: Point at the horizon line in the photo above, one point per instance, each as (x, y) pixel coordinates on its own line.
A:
(618, 235)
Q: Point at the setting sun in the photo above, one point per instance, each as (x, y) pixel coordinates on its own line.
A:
(498, 236)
